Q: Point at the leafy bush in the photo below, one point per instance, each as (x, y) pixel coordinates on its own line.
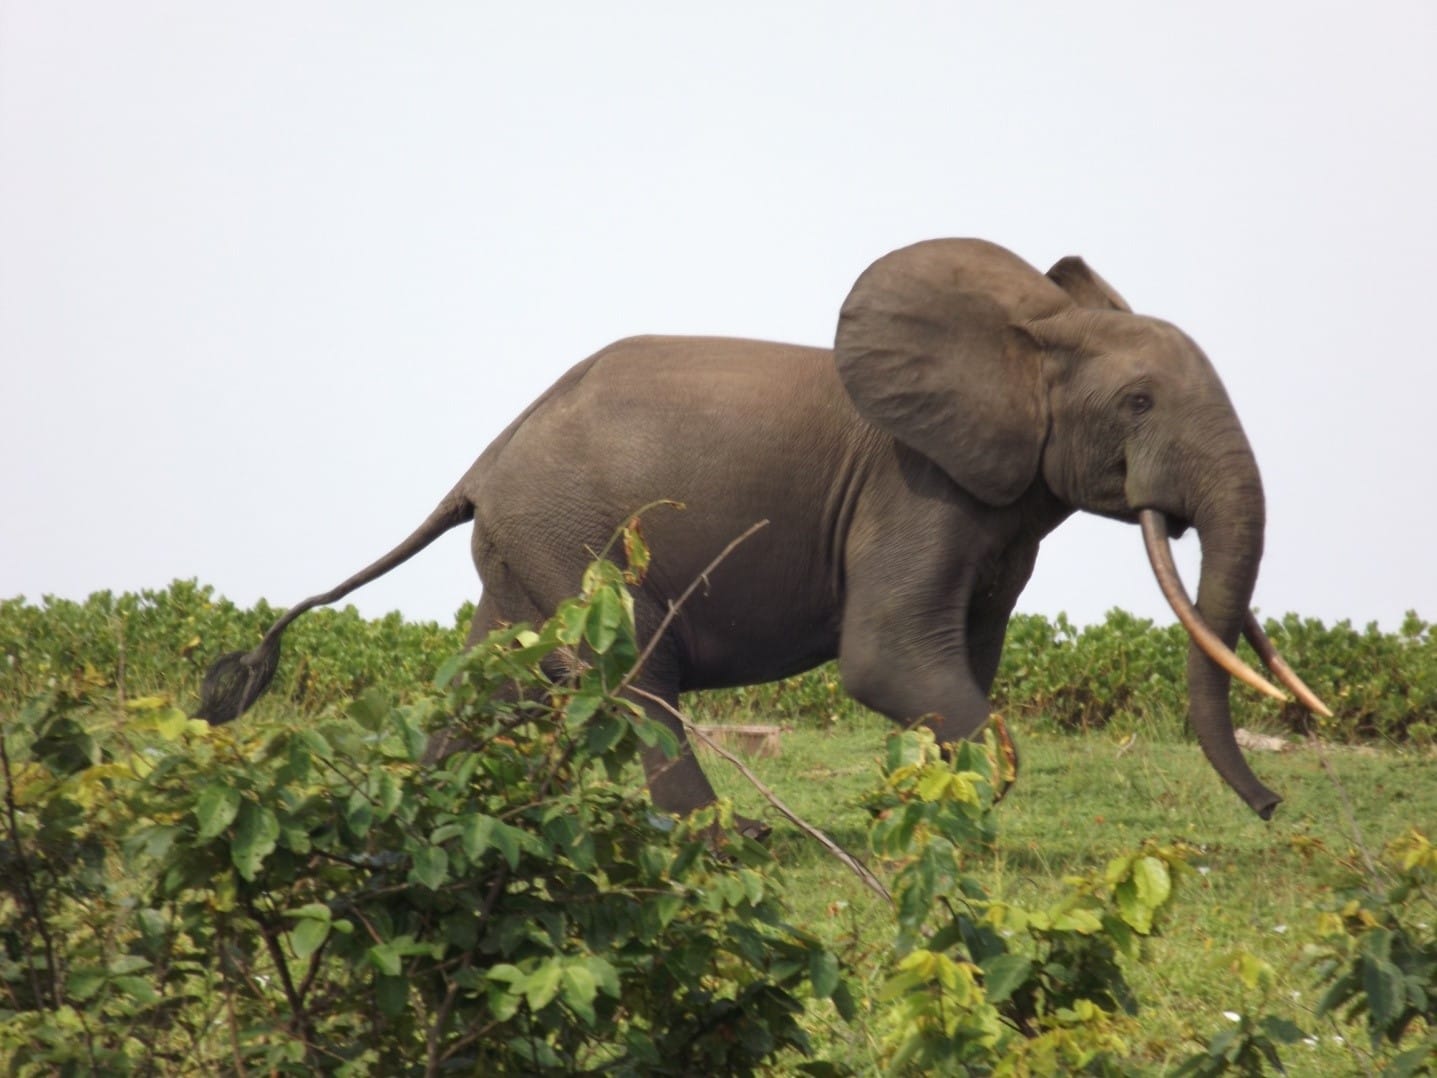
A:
(988, 986)
(293, 895)
(1379, 685)
(1379, 953)
(1130, 673)
(158, 641)
(299, 892)
(1124, 671)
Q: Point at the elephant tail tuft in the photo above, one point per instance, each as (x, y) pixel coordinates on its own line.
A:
(236, 680)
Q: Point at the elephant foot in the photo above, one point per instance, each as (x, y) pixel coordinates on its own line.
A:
(754, 829)
(718, 837)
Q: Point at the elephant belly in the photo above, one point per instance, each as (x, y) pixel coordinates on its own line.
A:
(743, 652)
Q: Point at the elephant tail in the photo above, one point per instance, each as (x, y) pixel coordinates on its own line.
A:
(236, 680)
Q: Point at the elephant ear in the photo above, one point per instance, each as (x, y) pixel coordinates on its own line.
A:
(1081, 281)
(932, 349)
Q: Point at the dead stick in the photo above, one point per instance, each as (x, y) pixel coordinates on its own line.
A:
(854, 865)
(676, 606)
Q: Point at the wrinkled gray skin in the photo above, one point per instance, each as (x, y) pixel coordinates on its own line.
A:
(970, 404)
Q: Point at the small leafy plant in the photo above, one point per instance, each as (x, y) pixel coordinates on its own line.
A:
(1378, 956)
(989, 985)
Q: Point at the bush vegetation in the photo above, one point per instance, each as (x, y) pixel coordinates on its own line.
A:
(300, 892)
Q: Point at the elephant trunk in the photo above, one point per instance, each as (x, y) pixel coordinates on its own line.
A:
(1229, 522)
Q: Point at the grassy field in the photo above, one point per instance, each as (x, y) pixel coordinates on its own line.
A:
(1080, 800)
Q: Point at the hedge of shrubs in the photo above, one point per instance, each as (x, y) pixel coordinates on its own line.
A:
(1125, 671)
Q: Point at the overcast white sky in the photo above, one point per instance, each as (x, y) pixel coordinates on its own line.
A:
(272, 274)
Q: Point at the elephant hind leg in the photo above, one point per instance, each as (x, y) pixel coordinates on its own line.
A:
(676, 783)
(488, 616)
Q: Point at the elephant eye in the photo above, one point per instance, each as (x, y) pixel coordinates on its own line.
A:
(1140, 403)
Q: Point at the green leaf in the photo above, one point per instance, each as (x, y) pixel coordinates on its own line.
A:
(311, 911)
(137, 988)
(359, 813)
(128, 963)
(541, 986)
(603, 733)
(582, 705)
(1004, 974)
(578, 990)
(606, 616)
(82, 984)
(431, 867)
(477, 835)
(504, 973)
(170, 723)
(370, 710)
(215, 810)
(571, 618)
(308, 936)
(256, 833)
(1414, 1061)
(1386, 990)
(1153, 881)
(449, 669)
(508, 839)
(481, 833)
(386, 959)
(316, 742)
(823, 972)
(606, 977)
(389, 795)
(1282, 1030)
(1133, 910)
(1084, 922)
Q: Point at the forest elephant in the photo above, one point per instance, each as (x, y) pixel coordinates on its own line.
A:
(969, 404)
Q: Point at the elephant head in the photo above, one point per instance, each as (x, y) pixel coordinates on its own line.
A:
(1008, 378)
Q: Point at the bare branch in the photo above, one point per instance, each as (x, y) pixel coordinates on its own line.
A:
(854, 865)
(676, 605)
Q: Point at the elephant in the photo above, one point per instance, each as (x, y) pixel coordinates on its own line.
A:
(970, 403)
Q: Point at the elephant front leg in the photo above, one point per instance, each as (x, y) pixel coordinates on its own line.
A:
(913, 663)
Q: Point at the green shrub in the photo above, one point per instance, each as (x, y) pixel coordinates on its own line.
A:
(159, 641)
(1378, 956)
(985, 986)
(1130, 674)
(298, 892)
(291, 894)
(1125, 671)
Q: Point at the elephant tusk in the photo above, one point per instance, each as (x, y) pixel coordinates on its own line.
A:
(1160, 553)
(1252, 629)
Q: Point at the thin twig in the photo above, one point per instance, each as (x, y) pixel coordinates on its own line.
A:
(857, 867)
(676, 605)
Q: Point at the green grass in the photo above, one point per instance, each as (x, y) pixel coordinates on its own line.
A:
(1081, 800)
